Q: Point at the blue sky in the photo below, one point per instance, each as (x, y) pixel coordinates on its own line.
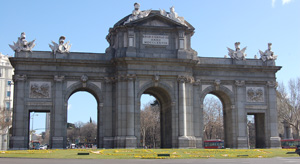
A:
(218, 23)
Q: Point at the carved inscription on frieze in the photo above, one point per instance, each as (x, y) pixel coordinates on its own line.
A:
(156, 39)
(255, 94)
(40, 89)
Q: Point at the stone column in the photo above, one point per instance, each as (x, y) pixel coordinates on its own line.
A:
(20, 132)
(182, 107)
(120, 119)
(242, 137)
(198, 115)
(182, 139)
(108, 113)
(273, 124)
(58, 117)
(130, 138)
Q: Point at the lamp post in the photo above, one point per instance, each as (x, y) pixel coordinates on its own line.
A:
(32, 117)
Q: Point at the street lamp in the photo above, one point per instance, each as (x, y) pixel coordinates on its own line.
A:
(32, 117)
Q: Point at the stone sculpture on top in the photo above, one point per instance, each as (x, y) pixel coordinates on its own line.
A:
(62, 47)
(237, 54)
(137, 13)
(173, 15)
(22, 44)
(268, 54)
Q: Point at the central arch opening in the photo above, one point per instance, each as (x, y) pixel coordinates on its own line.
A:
(82, 120)
(161, 120)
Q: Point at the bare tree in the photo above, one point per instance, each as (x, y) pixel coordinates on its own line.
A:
(72, 134)
(89, 132)
(288, 104)
(83, 133)
(5, 118)
(213, 118)
(150, 125)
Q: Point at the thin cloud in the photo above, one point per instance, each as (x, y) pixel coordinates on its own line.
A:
(286, 2)
(273, 3)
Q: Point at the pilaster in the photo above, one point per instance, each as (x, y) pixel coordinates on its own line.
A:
(197, 114)
(18, 141)
(242, 137)
(274, 141)
(184, 141)
(108, 141)
(130, 138)
(58, 115)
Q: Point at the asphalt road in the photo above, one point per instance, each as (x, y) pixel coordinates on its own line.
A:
(277, 160)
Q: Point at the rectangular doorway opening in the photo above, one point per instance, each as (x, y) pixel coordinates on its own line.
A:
(39, 130)
(256, 130)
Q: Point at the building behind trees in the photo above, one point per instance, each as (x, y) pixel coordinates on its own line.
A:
(6, 100)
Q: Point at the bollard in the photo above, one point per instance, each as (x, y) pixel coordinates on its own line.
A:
(163, 155)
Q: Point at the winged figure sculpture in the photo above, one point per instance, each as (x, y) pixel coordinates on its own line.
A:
(61, 47)
(22, 44)
(237, 53)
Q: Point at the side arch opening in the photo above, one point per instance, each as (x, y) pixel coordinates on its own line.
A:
(222, 113)
(162, 109)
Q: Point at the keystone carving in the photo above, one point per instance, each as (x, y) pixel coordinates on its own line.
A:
(84, 80)
(217, 83)
(156, 78)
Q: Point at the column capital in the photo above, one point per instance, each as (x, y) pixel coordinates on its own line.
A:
(185, 79)
(58, 78)
(18, 77)
(126, 77)
(272, 84)
(240, 83)
(130, 77)
(110, 79)
(197, 82)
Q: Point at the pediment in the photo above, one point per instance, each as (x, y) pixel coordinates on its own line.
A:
(155, 22)
(154, 19)
(158, 20)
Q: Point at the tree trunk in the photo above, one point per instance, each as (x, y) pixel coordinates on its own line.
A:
(144, 137)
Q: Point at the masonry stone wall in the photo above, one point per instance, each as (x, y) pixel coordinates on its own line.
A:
(169, 69)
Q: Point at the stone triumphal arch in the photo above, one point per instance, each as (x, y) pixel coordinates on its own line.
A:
(149, 52)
